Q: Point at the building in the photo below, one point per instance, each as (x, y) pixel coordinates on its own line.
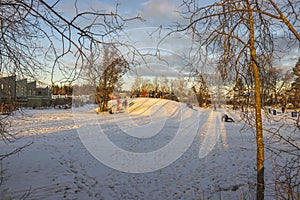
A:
(23, 93)
(7, 88)
(38, 95)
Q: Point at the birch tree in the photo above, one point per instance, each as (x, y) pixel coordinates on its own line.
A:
(235, 34)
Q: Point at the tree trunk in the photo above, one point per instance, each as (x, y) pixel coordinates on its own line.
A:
(105, 94)
(199, 96)
(259, 132)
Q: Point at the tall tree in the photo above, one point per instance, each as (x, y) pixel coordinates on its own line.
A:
(155, 84)
(181, 88)
(136, 85)
(36, 34)
(273, 83)
(164, 84)
(236, 33)
(33, 31)
(200, 89)
(113, 67)
(239, 90)
(296, 84)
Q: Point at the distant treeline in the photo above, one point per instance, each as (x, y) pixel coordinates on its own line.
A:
(63, 90)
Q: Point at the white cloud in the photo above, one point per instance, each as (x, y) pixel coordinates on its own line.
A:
(161, 10)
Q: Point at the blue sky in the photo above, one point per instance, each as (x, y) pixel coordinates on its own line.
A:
(156, 13)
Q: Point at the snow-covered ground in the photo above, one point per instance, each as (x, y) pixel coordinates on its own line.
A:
(191, 154)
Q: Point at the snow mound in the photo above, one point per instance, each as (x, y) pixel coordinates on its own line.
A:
(153, 106)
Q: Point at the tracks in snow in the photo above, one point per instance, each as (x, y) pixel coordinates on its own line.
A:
(212, 130)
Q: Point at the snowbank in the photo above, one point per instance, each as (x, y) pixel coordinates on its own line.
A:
(219, 162)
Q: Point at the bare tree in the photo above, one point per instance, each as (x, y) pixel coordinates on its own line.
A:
(136, 85)
(181, 88)
(296, 84)
(274, 81)
(155, 84)
(36, 31)
(36, 38)
(200, 90)
(239, 92)
(237, 33)
(164, 84)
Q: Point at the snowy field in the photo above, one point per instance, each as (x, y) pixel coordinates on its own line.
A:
(194, 154)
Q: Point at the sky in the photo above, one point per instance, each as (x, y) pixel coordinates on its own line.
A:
(157, 16)
(144, 34)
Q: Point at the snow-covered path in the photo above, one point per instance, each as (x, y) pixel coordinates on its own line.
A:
(218, 163)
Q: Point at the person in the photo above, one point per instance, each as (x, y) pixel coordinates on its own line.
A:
(144, 93)
(226, 118)
(118, 104)
(125, 103)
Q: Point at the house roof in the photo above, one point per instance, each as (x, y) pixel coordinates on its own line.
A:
(40, 84)
(6, 75)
